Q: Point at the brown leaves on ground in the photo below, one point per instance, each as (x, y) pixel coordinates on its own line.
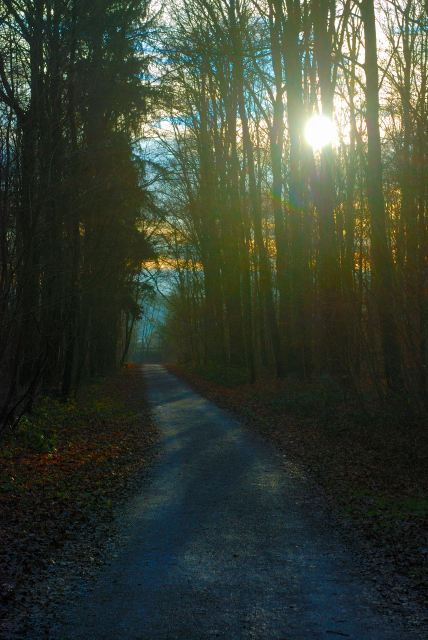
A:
(62, 473)
(373, 462)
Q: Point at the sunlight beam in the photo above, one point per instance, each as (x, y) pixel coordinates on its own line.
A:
(319, 131)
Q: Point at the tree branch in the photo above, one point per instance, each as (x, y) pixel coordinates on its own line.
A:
(7, 94)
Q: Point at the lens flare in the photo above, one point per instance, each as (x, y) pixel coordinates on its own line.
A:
(319, 131)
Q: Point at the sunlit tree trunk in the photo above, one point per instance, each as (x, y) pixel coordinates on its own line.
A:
(382, 267)
(329, 273)
(298, 349)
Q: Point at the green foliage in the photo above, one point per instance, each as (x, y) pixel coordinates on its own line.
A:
(227, 376)
(387, 509)
(411, 506)
(318, 401)
(39, 430)
(9, 483)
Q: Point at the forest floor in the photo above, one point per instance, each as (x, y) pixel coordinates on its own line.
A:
(371, 461)
(65, 472)
(68, 469)
(232, 541)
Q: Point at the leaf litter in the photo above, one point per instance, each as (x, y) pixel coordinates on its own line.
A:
(371, 466)
(65, 473)
(68, 471)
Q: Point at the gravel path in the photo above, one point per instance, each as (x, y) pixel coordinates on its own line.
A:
(228, 542)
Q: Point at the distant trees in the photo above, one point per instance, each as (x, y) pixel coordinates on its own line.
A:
(73, 95)
(312, 261)
(305, 261)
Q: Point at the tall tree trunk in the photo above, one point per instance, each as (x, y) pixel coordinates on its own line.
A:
(298, 349)
(245, 235)
(265, 271)
(210, 250)
(422, 159)
(381, 259)
(231, 241)
(329, 275)
(276, 135)
(73, 230)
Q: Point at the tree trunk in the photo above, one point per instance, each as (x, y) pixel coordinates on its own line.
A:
(382, 268)
(265, 271)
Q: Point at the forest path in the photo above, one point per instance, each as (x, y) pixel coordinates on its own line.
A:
(227, 542)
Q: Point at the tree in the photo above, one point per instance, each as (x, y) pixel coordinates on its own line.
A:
(73, 93)
(382, 266)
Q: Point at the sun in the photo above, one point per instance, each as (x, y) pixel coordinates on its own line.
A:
(319, 131)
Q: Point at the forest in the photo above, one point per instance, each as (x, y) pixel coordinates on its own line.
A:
(142, 144)
(309, 260)
(237, 189)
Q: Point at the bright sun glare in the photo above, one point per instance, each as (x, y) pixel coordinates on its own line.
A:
(319, 131)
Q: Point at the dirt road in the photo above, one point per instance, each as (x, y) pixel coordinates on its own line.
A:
(229, 542)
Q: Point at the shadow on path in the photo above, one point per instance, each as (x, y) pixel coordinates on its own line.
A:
(226, 543)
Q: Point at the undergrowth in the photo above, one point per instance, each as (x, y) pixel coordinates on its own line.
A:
(219, 374)
(63, 470)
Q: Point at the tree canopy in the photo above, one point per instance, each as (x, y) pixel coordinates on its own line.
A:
(280, 255)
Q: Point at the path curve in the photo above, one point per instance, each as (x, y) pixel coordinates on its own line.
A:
(227, 543)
